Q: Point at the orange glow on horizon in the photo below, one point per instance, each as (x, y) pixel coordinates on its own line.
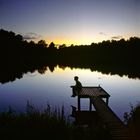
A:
(74, 41)
(81, 41)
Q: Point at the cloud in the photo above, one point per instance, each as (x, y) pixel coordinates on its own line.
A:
(31, 36)
(102, 33)
(116, 37)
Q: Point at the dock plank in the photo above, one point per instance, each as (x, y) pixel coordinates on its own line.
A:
(111, 120)
(90, 92)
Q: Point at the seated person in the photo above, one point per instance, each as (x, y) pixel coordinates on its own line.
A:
(77, 88)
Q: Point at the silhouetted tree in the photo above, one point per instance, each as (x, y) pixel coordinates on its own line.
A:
(42, 44)
(62, 46)
(52, 50)
(52, 45)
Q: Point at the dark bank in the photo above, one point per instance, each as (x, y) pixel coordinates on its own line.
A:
(19, 56)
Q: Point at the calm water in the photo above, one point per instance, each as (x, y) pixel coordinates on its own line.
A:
(54, 88)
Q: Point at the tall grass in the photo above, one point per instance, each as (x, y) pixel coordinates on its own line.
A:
(49, 124)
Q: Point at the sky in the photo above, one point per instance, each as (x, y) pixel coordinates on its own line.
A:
(71, 21)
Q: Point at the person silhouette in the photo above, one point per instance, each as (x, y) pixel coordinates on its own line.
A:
(78, 87)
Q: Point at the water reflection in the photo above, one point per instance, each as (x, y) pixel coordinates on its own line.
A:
(11, 73)
(42, 87)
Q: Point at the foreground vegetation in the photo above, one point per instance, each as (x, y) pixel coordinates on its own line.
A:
(53, 124)
(132, 120)
(50, 124)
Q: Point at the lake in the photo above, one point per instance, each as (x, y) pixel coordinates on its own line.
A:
(53, 88)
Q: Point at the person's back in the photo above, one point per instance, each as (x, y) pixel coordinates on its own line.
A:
(78, 85)
(77, 88)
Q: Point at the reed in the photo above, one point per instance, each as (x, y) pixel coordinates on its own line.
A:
(51, 123)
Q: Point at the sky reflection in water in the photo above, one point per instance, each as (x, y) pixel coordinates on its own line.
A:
(54, 88)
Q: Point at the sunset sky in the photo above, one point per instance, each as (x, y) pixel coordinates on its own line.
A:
(71, 21)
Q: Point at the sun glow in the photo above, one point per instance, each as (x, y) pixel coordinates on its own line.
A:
(84, 39)
(75, 40)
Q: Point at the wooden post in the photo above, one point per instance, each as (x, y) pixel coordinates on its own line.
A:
(107, 100)
(90, 105)
(79, 108)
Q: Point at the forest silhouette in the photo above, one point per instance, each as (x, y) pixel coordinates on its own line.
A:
(110, 57)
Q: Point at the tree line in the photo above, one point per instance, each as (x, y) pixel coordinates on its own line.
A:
(111, 56)
(13, 45)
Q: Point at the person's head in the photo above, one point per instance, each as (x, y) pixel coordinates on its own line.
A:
(76, 78)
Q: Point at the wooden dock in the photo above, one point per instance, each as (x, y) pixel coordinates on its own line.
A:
(90, 92)
(111, 121)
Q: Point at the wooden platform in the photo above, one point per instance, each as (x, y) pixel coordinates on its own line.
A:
(90, 92)
(108, 117)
